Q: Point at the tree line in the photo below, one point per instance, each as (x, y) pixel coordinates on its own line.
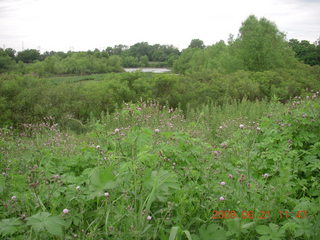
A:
(112, 59)
(259, 46)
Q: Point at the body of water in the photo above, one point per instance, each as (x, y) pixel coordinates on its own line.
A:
(152, 70)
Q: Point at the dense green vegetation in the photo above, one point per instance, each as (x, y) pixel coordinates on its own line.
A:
(145, 173)
(226, 146)
(30, 99)
(305, 51)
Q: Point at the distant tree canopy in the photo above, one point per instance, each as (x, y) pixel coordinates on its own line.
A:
(305, 51)
(112, 59)
(142, 53)
(7, 62)
(28, 56)
(10, 52)
(77, 63)
(196, 43)
(260, 46)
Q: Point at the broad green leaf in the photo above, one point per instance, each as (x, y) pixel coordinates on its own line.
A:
(9, 226)
(265, 238)
(262, 229)
(161, 184)
(212, 231)
(55, 226)
(102, 177)
(248, 225)
(173, 233)
(188, 235)
(100, 180)
(234, 227)
(273, 227)
(43, 221)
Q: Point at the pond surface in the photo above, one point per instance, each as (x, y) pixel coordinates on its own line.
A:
(152, 70)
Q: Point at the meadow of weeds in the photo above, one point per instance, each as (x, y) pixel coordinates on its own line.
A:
(246, 170)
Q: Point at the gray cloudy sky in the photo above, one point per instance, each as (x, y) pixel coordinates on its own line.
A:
(88, 24)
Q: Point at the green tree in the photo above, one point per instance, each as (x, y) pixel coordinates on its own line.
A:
(196, 43)
(117, 50)
(182, 64)
(28, 56)
(144, 60)
(262, 46)
(6, 62)
(129, 61)
(10, 52)
(140, 49)
(305, 51)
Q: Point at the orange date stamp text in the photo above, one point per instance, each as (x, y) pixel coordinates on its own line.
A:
(250, 214)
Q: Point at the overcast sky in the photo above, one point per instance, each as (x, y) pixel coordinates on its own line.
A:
(89, 24)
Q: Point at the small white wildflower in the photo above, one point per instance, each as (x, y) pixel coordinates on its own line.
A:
(66, 211)
(106, 194)
(266, 175)
(241, 126)
(117, 130)
(14, 198)
(222, 183)
(156, 130)
(78, 187)
(221, 198)
(258, 129)
(149, 218)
